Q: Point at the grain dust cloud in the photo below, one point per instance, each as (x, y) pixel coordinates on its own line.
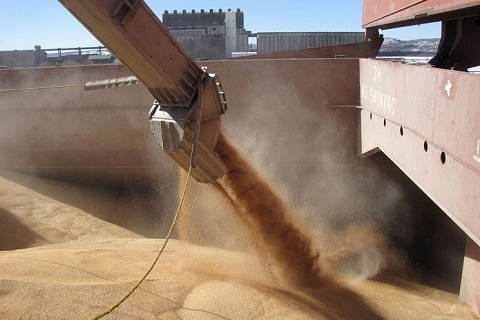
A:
(300, 253)
(69, 248)
(269, 219)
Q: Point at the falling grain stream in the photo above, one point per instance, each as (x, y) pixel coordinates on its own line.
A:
(269, 220)
(279, 238)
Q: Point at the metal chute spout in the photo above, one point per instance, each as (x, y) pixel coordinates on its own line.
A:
(168, 126)
(189, 135)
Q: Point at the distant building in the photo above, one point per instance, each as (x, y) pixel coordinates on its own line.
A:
(55, 57)
(101, 58)
(220, 34)
(22, 58)
(269, 42)
(208, 34)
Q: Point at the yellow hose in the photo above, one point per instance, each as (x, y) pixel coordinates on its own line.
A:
(128, 294)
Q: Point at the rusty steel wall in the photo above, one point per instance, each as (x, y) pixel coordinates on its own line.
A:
(67, 126)
(396, 13)
(305, 82)
(105, 134)
(292, 117)
(89, 134)
(469, 292)
(426, 121)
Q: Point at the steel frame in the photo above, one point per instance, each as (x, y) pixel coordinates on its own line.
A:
(426, 121)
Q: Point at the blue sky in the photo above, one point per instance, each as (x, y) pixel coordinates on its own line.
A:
(26, 23)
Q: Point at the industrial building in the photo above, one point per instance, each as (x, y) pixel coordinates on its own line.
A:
(40, 57)
(22, 58)
(209, 35)
(218, 34)
(270, 42)
(205, 35)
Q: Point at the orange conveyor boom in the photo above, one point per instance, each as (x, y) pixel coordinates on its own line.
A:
(134, 34)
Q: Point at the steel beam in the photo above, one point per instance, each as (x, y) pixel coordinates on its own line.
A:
(469, 291)
(426, 121)
(399, 13)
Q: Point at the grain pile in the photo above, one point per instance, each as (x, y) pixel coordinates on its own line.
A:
(60, 262)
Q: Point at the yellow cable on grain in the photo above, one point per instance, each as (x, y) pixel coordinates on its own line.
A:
(125, 297)
(42, 88)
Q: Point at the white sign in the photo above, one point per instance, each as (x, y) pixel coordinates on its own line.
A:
(377, 98)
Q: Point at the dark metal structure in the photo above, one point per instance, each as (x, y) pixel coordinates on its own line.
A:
(426, 119)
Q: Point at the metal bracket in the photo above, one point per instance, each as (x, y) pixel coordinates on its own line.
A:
(128, 7)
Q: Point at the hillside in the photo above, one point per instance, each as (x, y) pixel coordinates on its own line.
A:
(396, 47)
